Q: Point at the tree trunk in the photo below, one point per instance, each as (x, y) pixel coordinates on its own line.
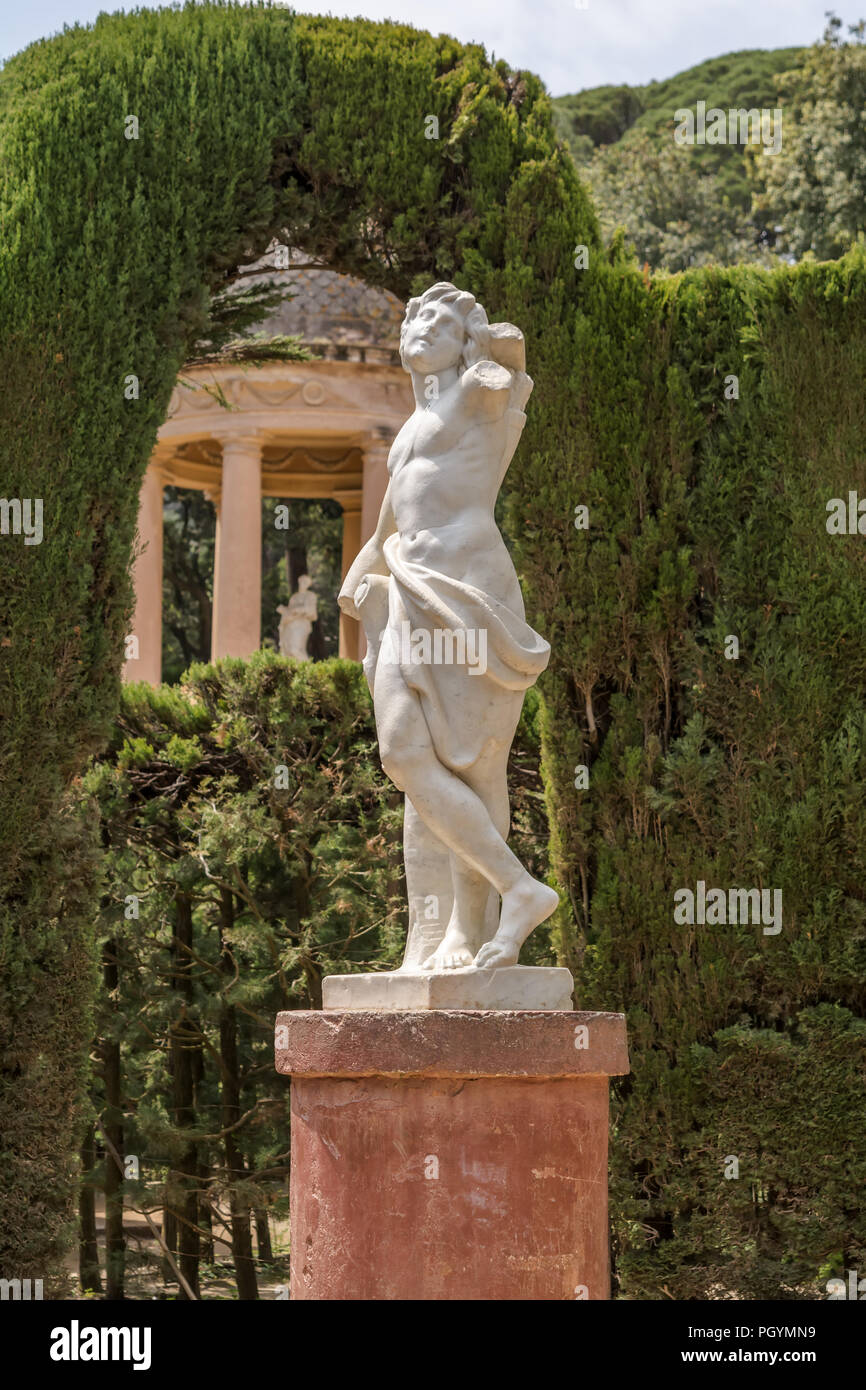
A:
(296, 564)
(301, 889)
(115, 1246)
(317, 642)
(169, 1234)
(205, 1215)
(89, 1274)
(242, 1241)
(183, 1043)
(264, 1249)
(263, 1234)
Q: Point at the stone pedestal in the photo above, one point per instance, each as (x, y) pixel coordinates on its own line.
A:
(529, 988)
(450, 1154)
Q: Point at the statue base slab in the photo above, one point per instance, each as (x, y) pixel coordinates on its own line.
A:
(449, 1155)
(527, 987)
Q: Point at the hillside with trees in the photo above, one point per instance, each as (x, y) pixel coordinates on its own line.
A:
(687, 206)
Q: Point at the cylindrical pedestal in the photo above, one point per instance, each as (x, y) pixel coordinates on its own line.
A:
(450, 1155)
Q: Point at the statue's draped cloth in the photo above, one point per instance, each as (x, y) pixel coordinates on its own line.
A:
(464, 712)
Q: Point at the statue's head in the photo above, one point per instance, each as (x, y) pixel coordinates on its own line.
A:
(444, 327)
(304, 583)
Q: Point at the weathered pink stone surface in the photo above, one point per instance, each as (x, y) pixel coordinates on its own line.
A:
(446, 1156)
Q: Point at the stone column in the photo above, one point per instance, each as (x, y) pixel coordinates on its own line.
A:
(350, 629)
(147, 580)
(214, 496)
(450, 1154)
(238, 555)
(377, 447)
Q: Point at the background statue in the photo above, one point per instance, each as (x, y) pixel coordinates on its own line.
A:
(296, 623)
(449, 653)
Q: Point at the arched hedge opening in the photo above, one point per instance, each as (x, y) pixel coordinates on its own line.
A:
(142, 159)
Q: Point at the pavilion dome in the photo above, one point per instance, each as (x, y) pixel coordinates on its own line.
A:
(336, 315)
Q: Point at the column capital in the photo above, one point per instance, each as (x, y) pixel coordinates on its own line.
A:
(245, 440)
(379, 437)
(350, 499)
(159, 463)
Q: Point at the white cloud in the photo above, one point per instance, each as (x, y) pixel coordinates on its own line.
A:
(610, 42)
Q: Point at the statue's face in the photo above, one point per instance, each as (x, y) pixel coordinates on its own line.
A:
(434, 339)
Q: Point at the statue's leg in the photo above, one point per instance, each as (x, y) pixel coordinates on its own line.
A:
(446, 803)
(456, 814)
(428, 888)
(488, 777)
(529, 902)
(475, 915)
(471, 895)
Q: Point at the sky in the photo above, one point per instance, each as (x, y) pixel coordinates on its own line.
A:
(569, 46)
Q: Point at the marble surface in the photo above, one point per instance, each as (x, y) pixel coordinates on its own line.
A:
(450, 656)
(526, 987)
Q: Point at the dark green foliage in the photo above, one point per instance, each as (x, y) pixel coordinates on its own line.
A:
(262, 777)
(250, 805)
(189, 533)
(113, 258)
(258, 782)
(783, 1103)
(47, 983)
(707, 518)
(596, 116)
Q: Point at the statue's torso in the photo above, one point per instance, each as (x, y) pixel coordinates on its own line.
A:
(444, 467)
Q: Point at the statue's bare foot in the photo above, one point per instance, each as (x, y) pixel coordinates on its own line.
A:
(523, 907)
(454, 952)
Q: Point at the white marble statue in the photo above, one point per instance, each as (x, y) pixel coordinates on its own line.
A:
(449, 653)
(296, 622)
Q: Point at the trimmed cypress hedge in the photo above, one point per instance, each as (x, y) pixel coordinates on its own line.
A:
(112, 250)
(707, 519)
